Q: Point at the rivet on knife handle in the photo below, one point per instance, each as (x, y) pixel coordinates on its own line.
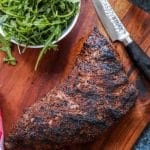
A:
(118, 32)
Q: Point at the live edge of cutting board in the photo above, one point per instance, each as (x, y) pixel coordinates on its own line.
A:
(20, 86)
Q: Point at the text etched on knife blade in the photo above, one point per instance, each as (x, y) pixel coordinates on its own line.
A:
(112, 16)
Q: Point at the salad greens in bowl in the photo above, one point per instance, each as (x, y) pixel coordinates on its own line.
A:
(35, 24)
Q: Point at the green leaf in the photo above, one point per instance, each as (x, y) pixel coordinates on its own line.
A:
(73, 1)
(5, 47)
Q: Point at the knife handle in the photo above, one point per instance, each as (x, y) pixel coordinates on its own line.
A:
(140, 58)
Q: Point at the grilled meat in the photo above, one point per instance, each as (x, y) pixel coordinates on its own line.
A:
(95, 95)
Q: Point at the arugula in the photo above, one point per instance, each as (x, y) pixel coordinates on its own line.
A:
(34, 22)
(73, 1)
(6, 48)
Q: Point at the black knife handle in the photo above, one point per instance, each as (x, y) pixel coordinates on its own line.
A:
(141, 60)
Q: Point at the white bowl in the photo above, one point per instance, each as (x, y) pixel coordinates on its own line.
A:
(64, 33)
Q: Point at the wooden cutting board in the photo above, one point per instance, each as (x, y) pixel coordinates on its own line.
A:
(21, 86)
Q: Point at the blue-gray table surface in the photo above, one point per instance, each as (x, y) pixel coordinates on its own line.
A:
(143, 143)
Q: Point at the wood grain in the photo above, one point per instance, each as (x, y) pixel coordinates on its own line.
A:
(20, 86)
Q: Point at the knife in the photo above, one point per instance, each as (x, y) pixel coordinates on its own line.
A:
(118, 32)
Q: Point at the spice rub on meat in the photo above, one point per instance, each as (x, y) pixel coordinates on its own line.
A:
(95, 95)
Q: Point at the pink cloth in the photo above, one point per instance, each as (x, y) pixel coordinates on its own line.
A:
(1, 133)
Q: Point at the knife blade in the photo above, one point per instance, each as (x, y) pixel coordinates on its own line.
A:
(118, 32)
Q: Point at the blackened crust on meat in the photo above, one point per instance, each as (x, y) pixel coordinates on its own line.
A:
(95, 95)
